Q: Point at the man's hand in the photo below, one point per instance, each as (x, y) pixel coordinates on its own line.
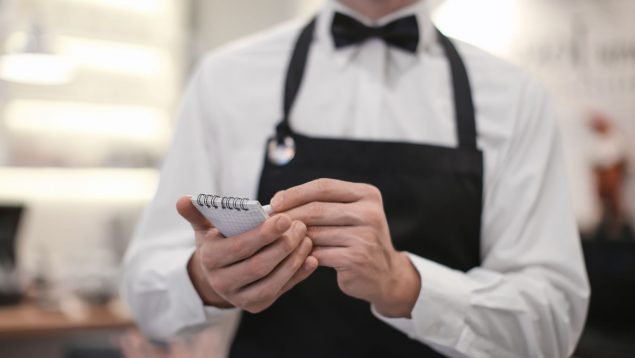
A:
(348, 226)
(251, 270)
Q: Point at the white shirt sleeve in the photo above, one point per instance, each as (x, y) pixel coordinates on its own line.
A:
(529, 297)
(157, 285)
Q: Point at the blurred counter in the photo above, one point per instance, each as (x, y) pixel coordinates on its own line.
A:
(28, 320)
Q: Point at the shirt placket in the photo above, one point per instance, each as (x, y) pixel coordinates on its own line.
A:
(372, 67)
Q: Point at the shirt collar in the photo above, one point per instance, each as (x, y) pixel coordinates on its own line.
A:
(323, 37)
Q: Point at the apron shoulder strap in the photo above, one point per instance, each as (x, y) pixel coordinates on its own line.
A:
(295, 73)
(463, 103)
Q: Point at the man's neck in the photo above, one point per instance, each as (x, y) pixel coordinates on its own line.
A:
(376, 9)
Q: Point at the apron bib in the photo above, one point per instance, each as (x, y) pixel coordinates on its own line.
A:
(432, 199)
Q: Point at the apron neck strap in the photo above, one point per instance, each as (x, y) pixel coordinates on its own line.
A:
(295, 74)
(463, 103)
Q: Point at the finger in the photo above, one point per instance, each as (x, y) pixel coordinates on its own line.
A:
(267, 289)
(335, 257)
(237, 248)
(327, 214)
(328, 190)
(336, 236)
(262, 263)
(309, 266)
(187, 210)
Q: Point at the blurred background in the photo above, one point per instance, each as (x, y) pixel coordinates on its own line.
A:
(88, 92)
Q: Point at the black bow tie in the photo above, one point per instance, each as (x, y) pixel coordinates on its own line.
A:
(402, 33)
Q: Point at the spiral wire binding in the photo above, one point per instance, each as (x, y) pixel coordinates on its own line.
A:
(226, 202)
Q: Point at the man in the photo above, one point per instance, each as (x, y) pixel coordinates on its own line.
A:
(425, 180)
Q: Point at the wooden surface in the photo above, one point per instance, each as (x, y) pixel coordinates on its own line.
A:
(26, 319)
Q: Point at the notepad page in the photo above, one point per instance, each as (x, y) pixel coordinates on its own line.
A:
(232, 221)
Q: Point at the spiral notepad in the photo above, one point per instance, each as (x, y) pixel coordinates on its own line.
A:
(231, 215)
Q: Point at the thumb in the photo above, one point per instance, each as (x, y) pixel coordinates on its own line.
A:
(186, 209)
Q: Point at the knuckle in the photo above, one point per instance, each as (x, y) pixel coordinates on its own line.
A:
(378, 250)
(257, 267)
(246, 302)
(267, 294)
(371, 243)
(236, 247)
(250, 305)
(375, 216)
(287, 244)
(240, 302)
(297, 262)
(323, 185)
(257, 307)
(278, 193)
(258, 301)
(251, 309)
(357, 216)
(214, 233)
(219, 285)
(265, 231)
(208, 258)
(316, 211)
(313, 231)
(372, 192)
(300, 229)
(308, 244)
(343, 282)
(358, 258)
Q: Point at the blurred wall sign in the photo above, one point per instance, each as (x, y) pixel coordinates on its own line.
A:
(575, 47)
(584, 53)
(593, 42)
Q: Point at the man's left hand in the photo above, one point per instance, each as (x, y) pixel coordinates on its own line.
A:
(348, 226)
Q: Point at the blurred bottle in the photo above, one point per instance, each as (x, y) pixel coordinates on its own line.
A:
(10, 284)
(41, 290)
(610, 168)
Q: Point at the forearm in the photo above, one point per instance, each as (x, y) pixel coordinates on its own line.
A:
(487, 313)
(201, 285)
(163, 300)
(157, 283)
(401, 290)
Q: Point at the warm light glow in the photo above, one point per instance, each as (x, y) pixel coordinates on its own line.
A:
(36, 68)
(307, 7)
(140, 6)
(41, 184)
(114, 56)
(125, 122)
(109, 56)
(488, 24)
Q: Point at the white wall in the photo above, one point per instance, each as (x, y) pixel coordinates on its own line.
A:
(583, 51)
(128, 56)
(215, 22)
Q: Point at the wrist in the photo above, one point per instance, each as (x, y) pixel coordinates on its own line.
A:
(202, 287)
(401, 289)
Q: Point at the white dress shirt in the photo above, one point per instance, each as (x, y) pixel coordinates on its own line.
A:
(530, 294)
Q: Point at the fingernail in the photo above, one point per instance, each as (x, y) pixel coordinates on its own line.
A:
(283, 222)
(276, 201)
(307, 243)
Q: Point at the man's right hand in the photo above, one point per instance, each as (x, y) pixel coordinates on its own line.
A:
(251, 270)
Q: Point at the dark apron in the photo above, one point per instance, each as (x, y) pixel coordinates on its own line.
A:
(432, 198)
